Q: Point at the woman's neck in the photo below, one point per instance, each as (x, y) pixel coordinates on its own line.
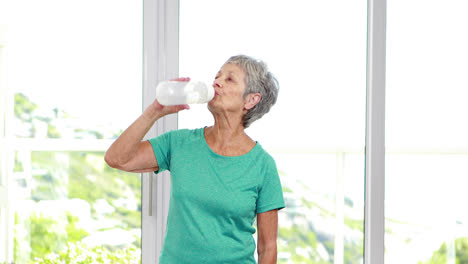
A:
(228, 138)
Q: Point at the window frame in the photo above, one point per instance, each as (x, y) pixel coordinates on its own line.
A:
(374, 189)
(160, 62)
(6, 202)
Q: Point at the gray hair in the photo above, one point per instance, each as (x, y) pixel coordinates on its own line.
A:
(258, 79)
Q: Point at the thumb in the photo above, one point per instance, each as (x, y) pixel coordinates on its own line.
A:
(182, 107)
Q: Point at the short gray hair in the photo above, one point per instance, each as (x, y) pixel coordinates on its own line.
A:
(258, 79)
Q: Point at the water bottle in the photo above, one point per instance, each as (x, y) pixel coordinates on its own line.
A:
(179, 92)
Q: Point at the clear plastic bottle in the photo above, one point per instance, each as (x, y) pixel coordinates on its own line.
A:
(178, 92)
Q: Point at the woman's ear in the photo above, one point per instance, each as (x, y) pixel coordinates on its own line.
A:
(252, 100)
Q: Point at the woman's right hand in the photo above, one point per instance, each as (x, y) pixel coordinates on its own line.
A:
(129, 152)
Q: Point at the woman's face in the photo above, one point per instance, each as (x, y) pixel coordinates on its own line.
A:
(229, 87)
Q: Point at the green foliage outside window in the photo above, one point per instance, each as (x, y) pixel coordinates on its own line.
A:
(48, 235)
(300, 241)
(77, 253)
(440, 256)
(66, 176)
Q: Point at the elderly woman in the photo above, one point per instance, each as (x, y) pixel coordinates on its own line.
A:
(221, 179)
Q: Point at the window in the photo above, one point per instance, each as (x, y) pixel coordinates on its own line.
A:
(71, 82)
(426, 133)
(316, 131)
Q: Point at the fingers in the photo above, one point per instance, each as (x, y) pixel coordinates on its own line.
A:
(172, 109)
(181, 79)
(181, 107)
(169, 109)
(185, 107)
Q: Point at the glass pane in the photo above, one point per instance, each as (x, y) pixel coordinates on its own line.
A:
(67, 72)
(316, 131)
(71, 83)
(426, 142)
(72, 199)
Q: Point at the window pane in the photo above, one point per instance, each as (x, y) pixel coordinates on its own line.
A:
(70, 83)
(426, 142)
(73, 197)
(316, 131)
(70, 60)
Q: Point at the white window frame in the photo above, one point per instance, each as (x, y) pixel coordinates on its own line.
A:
(161, 58)
(160, 62)
(6, 201)
(374, 223)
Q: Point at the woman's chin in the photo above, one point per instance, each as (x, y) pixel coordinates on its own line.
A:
(211, 106)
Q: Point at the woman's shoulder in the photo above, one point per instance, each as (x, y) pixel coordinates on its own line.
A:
(185, 133)
(262, 156)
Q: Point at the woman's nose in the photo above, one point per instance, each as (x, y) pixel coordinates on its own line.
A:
(217, 84)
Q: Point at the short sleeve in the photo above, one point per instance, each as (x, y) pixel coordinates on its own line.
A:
(162, 150)
(270, 195)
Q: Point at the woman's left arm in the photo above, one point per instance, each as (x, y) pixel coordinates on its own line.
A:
(267, 224)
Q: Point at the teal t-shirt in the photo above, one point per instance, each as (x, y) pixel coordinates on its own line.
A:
(214, 199)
